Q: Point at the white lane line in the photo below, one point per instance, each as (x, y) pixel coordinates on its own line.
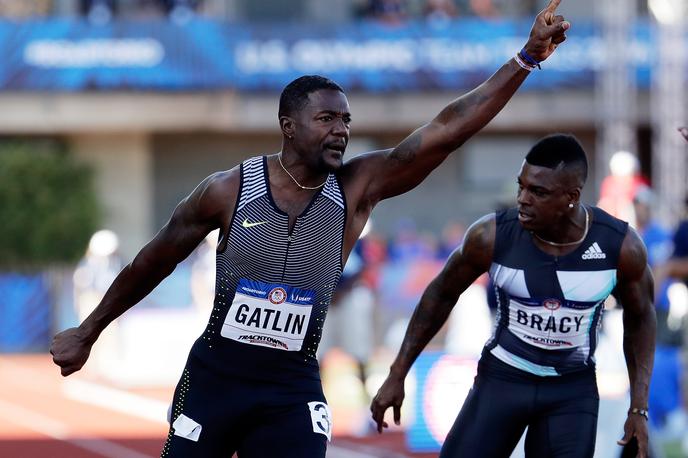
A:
(57, 430)
(117, 400)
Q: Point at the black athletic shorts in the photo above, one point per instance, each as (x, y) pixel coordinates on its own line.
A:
(215, 416)
(560, 413)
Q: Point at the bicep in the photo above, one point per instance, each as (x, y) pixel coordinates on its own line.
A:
(193, 219)
(395, 171)
(635, 285)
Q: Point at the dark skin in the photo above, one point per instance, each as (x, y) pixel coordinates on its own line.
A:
(543, 200)
(313, 145)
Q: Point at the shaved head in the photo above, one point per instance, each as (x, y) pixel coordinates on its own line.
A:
(560, 152)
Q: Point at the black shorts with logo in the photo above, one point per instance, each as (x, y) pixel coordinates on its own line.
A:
(215, 416)
(560, 413)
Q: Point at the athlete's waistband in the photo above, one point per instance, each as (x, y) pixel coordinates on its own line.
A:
(232, 359)
(490, 365)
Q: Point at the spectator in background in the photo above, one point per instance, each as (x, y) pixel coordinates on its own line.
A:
(440, 11)
(24, 9)
(408, 245)
(483, 8)
(350, 318)
(98, 12)
(618, 188)
(386, 11)
(665, 382)
(181, 11)
(657, 239)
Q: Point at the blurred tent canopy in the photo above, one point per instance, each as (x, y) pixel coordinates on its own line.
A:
(48, 208)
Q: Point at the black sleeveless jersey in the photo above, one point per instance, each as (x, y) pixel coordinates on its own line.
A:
(273, 287)
(550, 307)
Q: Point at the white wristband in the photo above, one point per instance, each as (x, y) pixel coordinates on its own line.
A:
(523, 64)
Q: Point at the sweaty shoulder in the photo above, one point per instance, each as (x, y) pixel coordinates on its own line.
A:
(217, 194)
(358, 172)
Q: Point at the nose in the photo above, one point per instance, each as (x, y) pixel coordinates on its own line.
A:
(523, 197)
(339, 128)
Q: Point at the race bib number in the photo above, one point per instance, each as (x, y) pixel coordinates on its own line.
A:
(321, 418)
(269, 315)
(551, 325)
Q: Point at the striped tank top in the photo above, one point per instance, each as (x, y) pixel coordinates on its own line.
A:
(273, 287)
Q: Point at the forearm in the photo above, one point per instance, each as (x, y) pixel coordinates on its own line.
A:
(639, 349)
(471, 112)
(430, 314)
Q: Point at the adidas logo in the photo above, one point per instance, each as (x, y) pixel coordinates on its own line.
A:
(594, 252)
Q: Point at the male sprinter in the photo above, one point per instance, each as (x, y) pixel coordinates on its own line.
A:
(287, 224)
(553, 261)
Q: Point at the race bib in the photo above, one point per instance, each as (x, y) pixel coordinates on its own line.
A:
(321, 418)
(552, 325)
(269, 315)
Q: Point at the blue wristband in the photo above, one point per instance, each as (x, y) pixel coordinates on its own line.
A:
(524, 55)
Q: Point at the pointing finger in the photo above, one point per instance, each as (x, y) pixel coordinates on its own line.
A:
(548, 12)
(552, 6)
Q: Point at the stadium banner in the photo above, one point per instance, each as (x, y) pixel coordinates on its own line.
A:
(68, 55)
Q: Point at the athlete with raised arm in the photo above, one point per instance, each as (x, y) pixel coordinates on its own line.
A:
(288, 222)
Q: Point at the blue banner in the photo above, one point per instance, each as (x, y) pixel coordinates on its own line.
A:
(64, 55)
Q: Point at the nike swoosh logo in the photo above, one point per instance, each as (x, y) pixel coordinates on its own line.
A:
(247, 224)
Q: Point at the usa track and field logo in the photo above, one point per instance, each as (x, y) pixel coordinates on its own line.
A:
(551, 304)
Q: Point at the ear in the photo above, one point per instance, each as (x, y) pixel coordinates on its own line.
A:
(288, 126)
(574, 195)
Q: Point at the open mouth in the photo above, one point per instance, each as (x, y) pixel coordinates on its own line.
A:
(336, 147)
(524, 217)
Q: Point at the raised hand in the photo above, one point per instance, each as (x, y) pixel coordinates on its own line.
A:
(390, 394)
(70, 350)
(548, 32)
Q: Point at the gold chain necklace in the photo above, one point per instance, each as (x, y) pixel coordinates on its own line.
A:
(585, 233)
(309, 188)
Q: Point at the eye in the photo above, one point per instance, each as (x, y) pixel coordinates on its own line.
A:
(326, 118)
(347, 119)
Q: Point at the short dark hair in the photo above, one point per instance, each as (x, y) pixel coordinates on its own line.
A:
(295, 95)
(559, 150)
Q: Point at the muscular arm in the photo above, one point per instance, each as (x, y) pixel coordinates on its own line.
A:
(388, 173)
(463, 267)
(635, 290)
(204, 210)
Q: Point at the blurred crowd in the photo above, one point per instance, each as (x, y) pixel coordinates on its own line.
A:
(440, 10)
(388, 11)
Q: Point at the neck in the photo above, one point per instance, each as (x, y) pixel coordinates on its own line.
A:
(571, 223)
(302, 183)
